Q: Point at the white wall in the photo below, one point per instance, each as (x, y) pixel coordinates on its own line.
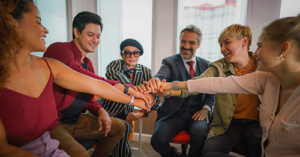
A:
(259, 14)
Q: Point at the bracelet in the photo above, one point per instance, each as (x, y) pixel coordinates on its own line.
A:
(126, 88)
(131, 101)
(169, 94)
(175, 85)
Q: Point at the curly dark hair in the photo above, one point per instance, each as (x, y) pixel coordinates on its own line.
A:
(10, 41)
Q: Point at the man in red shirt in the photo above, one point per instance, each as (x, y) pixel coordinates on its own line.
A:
(73, 124)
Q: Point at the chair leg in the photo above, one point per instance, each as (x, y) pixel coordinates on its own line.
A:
(183, 148)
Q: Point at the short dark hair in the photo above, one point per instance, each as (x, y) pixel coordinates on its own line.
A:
(85, 17)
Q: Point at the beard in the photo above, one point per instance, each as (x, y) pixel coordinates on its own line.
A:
(189, 57)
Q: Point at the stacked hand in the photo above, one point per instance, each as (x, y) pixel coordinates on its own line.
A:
(155, 86)
(143, 100)
(132, 116)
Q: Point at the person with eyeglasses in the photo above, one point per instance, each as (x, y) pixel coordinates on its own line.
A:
(127, 70)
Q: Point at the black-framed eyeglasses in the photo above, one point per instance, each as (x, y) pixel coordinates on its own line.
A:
(135, 53)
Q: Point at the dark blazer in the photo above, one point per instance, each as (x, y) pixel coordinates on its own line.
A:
(173, 69)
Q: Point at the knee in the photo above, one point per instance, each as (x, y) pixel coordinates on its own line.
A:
(157, 142)
(199, 132)
(118, 126)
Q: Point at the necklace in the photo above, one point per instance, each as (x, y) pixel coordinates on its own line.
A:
(248, 67)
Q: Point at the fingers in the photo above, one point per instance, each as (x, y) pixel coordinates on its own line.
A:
(207, 120)
(100, 125)
(146, 99)
(107, 127)
(139, 89)
(152, 86)
(163, 81)
(144, 88)
(157, 83)
(135, 88)
(146, 84)
(129, 118)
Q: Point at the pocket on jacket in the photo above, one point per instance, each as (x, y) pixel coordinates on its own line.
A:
(288, 133)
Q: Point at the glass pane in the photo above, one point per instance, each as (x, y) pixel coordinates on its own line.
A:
(54, 18)
(211, 17)
(289, 8)
(124, 19)
(137, 24)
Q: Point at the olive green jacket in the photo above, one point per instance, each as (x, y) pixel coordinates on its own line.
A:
(225, 102)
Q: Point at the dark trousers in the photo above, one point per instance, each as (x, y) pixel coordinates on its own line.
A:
(166, 130)
(238, 129)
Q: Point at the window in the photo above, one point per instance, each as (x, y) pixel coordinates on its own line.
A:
(124, 19)
(54, 18)
(211, 17)
(289, 8)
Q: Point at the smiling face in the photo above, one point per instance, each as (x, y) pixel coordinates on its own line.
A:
(131, 61)
(232, 48)
(189, 44)
(33, 33)
(89, 38)
(267, 55)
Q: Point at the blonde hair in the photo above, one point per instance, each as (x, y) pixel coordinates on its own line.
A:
(284, 29)
(238, 31)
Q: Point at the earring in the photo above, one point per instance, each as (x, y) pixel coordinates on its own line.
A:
(243, 47)
(281, 57)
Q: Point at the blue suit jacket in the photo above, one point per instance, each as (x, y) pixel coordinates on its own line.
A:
(173, 69)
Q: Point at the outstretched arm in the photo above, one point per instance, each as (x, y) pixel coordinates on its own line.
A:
(7, 150)
(72, 80)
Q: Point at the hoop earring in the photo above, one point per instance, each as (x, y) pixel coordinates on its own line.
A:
(281, 57)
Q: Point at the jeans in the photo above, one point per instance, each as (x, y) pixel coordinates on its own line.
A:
(238, 129)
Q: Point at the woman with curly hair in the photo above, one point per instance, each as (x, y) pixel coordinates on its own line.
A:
(27, 106)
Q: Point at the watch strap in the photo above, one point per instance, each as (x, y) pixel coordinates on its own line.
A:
(126, 88)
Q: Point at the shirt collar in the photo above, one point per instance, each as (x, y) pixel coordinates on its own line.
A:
(193, 59)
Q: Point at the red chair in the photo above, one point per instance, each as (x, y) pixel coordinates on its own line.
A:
(182, 138)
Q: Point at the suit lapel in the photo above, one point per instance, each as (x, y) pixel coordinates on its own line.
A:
(199, 69)
(181, 67)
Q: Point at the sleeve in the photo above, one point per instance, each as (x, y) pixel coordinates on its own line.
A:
(253, 83)
(113, 73)
(210, 72)
(93, 107)
(64, 54)
(164, 71)
(157, 98)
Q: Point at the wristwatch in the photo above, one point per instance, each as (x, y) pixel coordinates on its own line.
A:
(126, 88)
(175, 86)
(131, 101)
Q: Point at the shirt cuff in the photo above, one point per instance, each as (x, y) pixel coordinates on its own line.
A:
(129, 84)
(189, 86)
(207, 107)
(145, 113)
